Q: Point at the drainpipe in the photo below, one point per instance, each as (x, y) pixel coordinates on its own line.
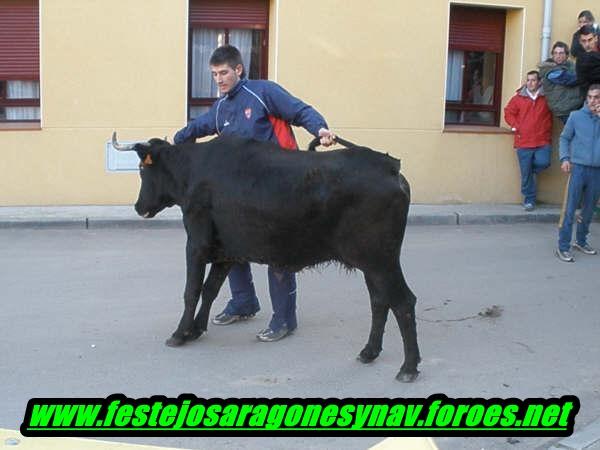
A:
(546, 29)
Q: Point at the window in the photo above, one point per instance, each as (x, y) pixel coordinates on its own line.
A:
(19, 61)
(242, 23)
(474, 72)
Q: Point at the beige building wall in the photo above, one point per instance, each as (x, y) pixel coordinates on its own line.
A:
(381, 83)
(376, 72)
(105, 65)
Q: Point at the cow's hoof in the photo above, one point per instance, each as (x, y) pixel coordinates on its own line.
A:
(367, 355)
(174, 341)
(194, 335)
(407, 377)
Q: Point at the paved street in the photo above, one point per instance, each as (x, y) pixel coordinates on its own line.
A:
(85, 314)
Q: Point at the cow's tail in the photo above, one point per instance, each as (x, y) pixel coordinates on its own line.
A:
(404, 186)
(317, 141)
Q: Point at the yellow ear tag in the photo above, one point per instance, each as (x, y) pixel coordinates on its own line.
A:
(148, 160)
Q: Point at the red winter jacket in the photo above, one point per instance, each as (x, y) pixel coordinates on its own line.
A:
(531, 118)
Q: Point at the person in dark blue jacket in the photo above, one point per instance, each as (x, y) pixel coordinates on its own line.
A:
(262, 110)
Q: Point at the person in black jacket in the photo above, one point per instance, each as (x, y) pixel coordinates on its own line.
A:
(585, 18)
(588, 63)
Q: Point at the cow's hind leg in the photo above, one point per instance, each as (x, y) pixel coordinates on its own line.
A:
(404, 311)
(379, 313)
(216, 276)
(390, 291)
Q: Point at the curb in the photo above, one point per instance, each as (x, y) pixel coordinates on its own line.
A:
(126, 223)
(115, 217)
(497, 219)
(433, 219)
(133, 223)
(91, 224)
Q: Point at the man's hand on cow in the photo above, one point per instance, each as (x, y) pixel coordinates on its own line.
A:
(327, 137)
(565, 166)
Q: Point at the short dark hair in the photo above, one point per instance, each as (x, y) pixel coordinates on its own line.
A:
(587, 14)
(594, 87)
(562, 45)
(587, 29)
(227, 54)
(534, 72)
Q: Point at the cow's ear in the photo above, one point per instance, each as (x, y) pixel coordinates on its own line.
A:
(148, 160)
(142, 152)
(147, 157)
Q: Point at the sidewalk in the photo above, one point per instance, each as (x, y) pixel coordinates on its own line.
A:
(13, 437)
(125, 216)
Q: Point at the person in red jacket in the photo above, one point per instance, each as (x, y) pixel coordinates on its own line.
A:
(528, 115)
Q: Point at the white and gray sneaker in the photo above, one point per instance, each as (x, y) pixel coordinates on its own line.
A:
(268, 335)
(564, 256)
(585, 248)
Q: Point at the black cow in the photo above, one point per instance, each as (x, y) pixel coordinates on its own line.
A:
(244, 200)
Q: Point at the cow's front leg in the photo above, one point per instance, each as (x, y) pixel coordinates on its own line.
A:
(196, 266)
(216, 276)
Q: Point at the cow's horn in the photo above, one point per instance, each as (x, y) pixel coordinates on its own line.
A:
(124, 147)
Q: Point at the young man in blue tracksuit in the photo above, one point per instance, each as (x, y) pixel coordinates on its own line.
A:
(580, 157)
(261, 110)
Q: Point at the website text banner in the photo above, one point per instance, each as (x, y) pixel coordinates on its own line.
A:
(188, 415)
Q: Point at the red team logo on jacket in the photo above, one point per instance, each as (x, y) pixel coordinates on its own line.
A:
(248, 113)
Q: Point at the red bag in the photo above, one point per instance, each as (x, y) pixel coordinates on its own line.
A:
(283, 132)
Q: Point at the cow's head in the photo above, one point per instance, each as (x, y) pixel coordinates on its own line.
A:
(158, 188)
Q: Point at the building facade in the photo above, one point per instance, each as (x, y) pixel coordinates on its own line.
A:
(425, 84)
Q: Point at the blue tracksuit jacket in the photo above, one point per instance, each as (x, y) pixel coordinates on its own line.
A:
(255, 109)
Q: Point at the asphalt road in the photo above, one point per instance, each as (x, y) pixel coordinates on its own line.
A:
(85, 314)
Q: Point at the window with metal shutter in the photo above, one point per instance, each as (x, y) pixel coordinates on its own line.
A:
(242, 23)
(474, 71)
(19, 40)
(229, 13)
(19, 61)
(477, 29)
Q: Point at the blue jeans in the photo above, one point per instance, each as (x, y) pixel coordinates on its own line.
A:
(584, 183)
(243, 296)
(282, 288)
(532, 161)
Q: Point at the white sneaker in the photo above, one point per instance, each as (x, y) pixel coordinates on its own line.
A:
(585, 248)
(564, 256)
